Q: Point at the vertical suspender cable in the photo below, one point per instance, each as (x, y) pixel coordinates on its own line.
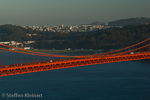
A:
(26, 58)
(1, 58)
(7, 57)
(14, 58)
(10, 57)
(4, 57)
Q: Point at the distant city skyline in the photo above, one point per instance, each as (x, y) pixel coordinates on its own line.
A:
(69, 12)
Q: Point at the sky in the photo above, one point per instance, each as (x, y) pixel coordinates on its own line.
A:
(69, 12)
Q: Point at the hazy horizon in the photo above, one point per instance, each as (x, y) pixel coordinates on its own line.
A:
(69, 12)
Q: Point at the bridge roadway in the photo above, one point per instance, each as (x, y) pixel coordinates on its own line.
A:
(66, 63)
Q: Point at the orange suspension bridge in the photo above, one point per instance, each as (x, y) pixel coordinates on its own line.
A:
(18, 61)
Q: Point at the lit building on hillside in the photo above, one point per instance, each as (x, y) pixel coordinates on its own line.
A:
(61, 26)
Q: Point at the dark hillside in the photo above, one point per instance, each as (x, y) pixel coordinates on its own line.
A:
(130, 21)
(113, 38)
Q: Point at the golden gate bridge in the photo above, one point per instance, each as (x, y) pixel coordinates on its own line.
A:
(18, 61)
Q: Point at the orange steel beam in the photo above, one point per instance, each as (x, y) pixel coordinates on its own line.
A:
(44, 54)
(36, 53)
(28, 68)
(130, 50)
(126, 47)
(71, 56)
(39, 54)
(122, 52)
(66, 63)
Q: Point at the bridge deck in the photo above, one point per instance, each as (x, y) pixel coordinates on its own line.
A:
(66, 63)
